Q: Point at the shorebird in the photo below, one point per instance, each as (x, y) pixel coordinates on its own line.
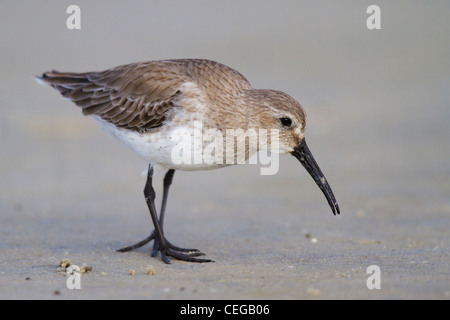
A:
(142, 104)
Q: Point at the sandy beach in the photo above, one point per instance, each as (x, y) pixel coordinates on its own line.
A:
(378, 105)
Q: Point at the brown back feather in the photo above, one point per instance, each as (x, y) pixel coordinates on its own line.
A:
(138, 96)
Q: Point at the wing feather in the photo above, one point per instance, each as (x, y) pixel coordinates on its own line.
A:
(132, 96)
(139, 96)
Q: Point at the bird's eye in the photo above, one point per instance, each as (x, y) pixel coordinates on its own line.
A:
(286, 122)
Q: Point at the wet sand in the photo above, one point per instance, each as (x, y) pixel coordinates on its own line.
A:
(378, 110)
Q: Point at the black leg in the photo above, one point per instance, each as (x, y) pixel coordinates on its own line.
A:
(168, 178)
(161, 243)
(152, 236)
(150, 196)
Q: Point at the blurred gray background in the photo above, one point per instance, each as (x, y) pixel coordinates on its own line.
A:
(378, 124)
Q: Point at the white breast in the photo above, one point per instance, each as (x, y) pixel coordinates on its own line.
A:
(162, 147)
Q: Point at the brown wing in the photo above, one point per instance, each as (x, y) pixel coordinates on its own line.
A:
(138, 96)
(135, 96)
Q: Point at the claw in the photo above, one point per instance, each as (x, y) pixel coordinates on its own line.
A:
(183, 257)
(164, 258)
(139, 244)
(169, 250)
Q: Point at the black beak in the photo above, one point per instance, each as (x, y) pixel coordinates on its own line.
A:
(302, 153)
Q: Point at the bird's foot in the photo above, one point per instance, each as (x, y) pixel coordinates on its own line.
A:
(168, 250)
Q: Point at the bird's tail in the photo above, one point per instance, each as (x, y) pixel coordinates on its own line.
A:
(64, 82)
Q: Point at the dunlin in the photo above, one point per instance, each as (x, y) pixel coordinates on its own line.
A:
(142, 104)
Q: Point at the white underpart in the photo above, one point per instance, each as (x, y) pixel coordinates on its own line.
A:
(156, 147)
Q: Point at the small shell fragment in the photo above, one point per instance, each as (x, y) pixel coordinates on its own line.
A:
(64, 263)
(149, 270)
(85, 268)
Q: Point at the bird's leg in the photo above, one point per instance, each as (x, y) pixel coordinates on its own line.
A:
(167, 182)
(161, 244)
(168, 178)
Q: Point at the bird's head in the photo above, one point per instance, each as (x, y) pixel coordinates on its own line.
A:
(273, 109)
